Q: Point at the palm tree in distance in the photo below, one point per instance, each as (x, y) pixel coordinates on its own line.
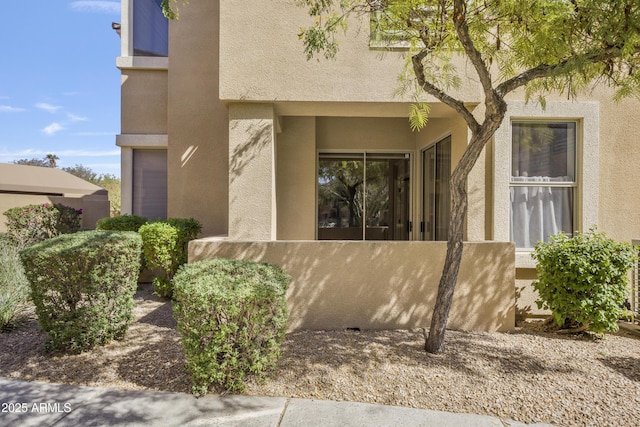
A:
(51, 160)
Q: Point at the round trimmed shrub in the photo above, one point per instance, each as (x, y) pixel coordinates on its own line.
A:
(162, 252)
(121, 223)
(82, 286)
(232, 317)
(583, 280)
(164, 245)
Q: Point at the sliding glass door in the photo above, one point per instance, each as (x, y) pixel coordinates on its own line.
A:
(436, 197)
(364, 196)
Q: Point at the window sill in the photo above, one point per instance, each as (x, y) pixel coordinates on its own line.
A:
(524, 260)
(389, 45)
(142, 62)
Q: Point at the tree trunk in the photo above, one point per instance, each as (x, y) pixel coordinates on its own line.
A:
(434, 343)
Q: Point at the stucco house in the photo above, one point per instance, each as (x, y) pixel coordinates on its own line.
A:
(22, 185)
(312, 164)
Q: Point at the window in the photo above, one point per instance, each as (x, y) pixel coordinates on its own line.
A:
(400, 27)
(150, 183)
(363, 196)
(150, 29)
(436, 196)
(543, 181)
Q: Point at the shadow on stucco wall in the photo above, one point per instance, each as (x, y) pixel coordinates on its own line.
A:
(382, 285)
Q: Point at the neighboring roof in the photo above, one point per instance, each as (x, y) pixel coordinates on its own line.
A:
(41, 180)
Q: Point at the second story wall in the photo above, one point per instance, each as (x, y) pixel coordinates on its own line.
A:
(144, 102)
(262, 59)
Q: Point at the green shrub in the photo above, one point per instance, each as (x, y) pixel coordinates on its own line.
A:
(14, 287)
(188, 229)
(583, 280)
(232, 316)
(124, 223)
(165, 248)
(82, 286)
(35, 223)
(160, 249)
(121, 223)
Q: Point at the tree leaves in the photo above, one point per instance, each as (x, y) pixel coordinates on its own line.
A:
(545, 45)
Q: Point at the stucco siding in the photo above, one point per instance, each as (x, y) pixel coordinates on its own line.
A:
(268, 63)
(143, 102)
(198, 123)
(382, 285)
(296, 178)
(619, 207)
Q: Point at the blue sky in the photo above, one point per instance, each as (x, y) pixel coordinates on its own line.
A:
(59, 86)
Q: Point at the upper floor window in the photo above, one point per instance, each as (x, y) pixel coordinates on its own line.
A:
(384, 31)
(150, 29)
(543, 181)
(399, 27)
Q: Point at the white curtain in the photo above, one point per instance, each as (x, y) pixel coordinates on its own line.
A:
(538, 211)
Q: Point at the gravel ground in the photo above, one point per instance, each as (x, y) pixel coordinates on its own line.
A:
(530, 375)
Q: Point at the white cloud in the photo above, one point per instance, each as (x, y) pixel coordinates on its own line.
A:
(10, 109)
(48, 107)
(96, 6)
(76, 118)
(53, 128)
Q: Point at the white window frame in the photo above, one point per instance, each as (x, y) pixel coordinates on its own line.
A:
(586, 115)
(513, 183)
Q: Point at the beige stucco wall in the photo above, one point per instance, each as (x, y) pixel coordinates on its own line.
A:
(197, 121)
(364, 133)
(143, 101)
(266, 62)
(526, 296)
(252, 172)
(93, 207)
(382, 285)
(296, 178)
(619, 208)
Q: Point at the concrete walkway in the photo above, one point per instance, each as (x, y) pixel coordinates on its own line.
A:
(24, 404)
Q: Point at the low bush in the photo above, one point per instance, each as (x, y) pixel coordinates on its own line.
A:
(82, 286)
(232, 317)
(161, 251)
(188, 229)
(124, 223)
(583, 280)
(14, 287)
(35, 223)
(165, 248)
(121, 223)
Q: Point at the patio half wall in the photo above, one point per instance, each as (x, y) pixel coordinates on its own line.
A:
(381, 285)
